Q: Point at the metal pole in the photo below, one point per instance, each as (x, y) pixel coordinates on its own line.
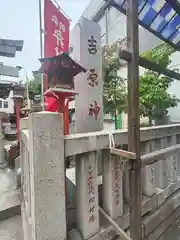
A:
(41, 50)
(106, 25)
(134, 119)
(27, 83)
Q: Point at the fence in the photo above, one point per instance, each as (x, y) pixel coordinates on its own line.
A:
(44, 150)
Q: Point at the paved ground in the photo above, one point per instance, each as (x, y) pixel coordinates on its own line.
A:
(9, 195)
(11, 229)
(7, 180)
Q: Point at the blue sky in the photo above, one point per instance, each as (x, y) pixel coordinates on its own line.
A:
(20, 20)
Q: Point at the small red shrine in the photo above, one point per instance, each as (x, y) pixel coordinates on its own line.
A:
(59, 87)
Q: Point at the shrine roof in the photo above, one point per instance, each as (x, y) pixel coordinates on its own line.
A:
(160, 17)
(51, 64)
(17, 44)
(9, 47)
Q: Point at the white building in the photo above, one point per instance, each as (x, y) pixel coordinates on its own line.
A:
(113, 27)
(7, 105)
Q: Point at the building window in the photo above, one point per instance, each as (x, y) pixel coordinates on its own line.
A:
(0, 103)
(5, 104)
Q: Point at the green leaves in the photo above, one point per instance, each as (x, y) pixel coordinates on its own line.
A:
(35, 84)
(114, 94)
(154, 96)
(160, 55)
(115, 90)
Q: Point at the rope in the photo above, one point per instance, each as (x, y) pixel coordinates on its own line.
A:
(111, 141)
(112, 145)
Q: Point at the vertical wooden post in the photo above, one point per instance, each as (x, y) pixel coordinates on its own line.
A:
(134, 119)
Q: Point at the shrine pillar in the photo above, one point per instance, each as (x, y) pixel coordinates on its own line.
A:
(86, 44)
(47, 176)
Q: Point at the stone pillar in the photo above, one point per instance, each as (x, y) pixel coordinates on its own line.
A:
(25, 182)
(87, 195)
(19, 160)
(86, 43)
(172, 161)
(126, 190)
(46, 148)
(148, 174)
(161, 174)
(23, 123)
(112, 185)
